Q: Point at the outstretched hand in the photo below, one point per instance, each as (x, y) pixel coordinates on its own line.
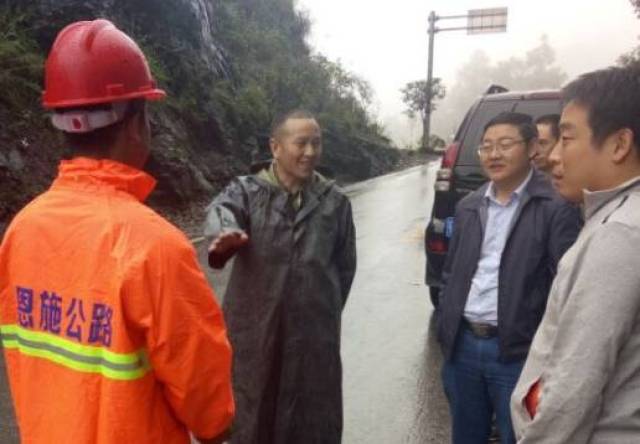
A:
(230, 240)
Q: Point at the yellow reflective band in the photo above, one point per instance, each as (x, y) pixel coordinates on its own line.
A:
(83, 358)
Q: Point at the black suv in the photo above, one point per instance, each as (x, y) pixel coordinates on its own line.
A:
(460, 172)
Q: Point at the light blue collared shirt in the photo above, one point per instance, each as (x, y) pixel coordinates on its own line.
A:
(482, 303)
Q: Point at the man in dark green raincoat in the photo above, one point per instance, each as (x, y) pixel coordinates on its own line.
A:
(292, 234)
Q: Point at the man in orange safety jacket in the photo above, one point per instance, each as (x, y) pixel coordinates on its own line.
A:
(110, 331)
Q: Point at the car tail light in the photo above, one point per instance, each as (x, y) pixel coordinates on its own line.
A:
(450, 155)
(437, 245)
(444, 174)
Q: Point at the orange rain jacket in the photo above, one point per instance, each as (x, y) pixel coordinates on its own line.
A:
(111, 332)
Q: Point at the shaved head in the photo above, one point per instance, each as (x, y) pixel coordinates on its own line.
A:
(279, 122)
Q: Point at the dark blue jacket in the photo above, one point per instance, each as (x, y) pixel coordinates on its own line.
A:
(544, 227)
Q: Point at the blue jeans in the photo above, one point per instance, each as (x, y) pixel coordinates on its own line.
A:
(477, 386)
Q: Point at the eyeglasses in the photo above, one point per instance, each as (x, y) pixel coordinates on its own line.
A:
(502, 146)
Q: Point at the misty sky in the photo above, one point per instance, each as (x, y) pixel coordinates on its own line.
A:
(385, 42)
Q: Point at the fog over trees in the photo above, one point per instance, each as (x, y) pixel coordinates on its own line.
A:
(535, 69)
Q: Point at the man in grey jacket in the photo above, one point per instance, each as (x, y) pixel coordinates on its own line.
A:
(292, 234)
(581, 380)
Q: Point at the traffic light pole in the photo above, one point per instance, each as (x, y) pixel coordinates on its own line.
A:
(479, 14)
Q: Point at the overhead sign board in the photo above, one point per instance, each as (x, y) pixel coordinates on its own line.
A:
(488, 20)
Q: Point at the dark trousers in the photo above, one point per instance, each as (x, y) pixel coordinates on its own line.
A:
(478, 386)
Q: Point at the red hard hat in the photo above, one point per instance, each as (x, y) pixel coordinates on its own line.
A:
(94, 62)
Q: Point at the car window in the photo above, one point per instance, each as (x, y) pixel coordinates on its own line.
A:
(540, 107)
(486, 111)
(463, 125)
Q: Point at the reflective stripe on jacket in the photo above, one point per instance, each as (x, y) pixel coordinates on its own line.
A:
(111, 332)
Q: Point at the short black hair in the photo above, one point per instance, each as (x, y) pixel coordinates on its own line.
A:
(523, 122)
(281, 119)
(612, 99)
(553, 120)
(101, 139)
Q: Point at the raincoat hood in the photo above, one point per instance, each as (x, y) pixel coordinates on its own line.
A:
(317, 184)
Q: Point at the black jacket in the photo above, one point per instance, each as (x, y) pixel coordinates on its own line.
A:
(545, 226)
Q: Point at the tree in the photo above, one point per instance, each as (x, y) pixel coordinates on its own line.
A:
(632, 57)
(228, 66)
(535, 70)
(415, 96)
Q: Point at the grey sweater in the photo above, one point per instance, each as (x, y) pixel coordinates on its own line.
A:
(586, 352)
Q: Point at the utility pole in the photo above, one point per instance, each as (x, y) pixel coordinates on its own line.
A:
(479, 21)
(427, 114)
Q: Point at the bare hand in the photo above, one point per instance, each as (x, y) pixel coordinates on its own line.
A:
(227, 241)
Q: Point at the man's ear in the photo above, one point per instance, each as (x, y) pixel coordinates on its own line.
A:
(622, 144)
(274, 146)
(138, 136)
(134, 127)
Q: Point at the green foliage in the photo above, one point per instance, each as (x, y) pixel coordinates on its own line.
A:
(226, 79)
(415, 96)
(275, 71)
(632, 57)
(266, 67)
(20, 62)
(436, 142)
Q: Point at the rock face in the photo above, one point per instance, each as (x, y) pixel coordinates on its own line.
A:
(195, 148)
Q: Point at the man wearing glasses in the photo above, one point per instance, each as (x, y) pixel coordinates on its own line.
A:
(508, 238)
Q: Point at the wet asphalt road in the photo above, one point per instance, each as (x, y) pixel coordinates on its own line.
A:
(392, 390)
(391, 363)
(8, 431)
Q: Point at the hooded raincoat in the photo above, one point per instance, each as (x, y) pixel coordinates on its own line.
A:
(283, 306)
(110, 330)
